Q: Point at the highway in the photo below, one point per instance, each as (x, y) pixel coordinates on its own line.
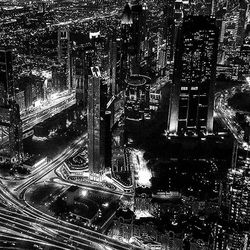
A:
(51, 166)
(29, 120)
(227, 115)
(83, 20)
(80, 237)
(37, 116)
(21, 221)
(77, 234)
(23, 227)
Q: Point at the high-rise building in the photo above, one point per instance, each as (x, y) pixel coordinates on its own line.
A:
(125, 44)
(59, 82)
(6, 76)
(79, 76)
(241, 22)
(64, 54)
(11, 148)
(97, 123)
(137, 98)
(113, 66)
(96, 159)
(245, 57)
(169, 29)
(63, 44)
(192, 97)
(219, 237)
(133, 31)
(107, 140)
(99, 56)
(204, 8)
(10, 122)
(239, 185)
(229, 236)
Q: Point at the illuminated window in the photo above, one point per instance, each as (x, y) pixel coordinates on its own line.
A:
(194, 88)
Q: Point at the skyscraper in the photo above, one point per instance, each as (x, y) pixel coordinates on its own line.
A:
(241, 22)
(169, 29)
(244, 67)
(137, 98)
(79, 76)
(10, 122)
(96, 122)
(133, 30)
(113, 65)
(191, 102)
(64, 54)
(63, 44)
(125, 44)
(6, 76)
(239, 185)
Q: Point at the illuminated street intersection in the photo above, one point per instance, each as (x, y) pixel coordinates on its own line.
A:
(110, 124)
(23, 225)
(23, 222)
(228, 115)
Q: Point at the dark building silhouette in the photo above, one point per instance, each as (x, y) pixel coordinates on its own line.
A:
(79, 76)
(11, 148)
(63, 44)
(238, 186)
(99, 133)
(64, 54)
(6, 76)
(192, 97)
(95, 154)
(241, 22)
(133, 31)
(113, 67)
(169, 29)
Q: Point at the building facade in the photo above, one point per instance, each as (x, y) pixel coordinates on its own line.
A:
(192, 96)
(11, 149)
(137, 98)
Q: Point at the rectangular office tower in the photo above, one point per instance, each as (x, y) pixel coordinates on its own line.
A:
(239, 186)
(192, 95)
(98, 120)
(6, 76)
(10, 123)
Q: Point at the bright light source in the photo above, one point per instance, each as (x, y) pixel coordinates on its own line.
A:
(108, 248)
(105, 204)
(36, 138)
(38, 103)
(54, 96)
(46, 74)
(144, 178)
(84, 193)
(140, 164)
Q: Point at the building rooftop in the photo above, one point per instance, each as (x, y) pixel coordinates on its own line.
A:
(137, 80)
(126, 15)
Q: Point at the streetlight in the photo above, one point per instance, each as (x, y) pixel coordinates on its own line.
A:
(84, 193)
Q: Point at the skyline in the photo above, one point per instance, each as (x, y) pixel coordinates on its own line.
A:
(125, 125)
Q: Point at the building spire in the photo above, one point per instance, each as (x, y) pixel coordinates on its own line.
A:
(126, 15)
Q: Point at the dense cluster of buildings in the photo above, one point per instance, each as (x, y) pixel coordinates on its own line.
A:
(129, 68)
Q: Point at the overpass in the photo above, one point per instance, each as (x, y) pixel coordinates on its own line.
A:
(41, 114)
(30, 120)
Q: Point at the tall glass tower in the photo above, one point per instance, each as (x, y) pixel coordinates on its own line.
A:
(192, 96)
(98, 124)
(11, 148)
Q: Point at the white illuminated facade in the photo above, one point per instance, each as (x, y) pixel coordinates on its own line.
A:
(142, 173)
